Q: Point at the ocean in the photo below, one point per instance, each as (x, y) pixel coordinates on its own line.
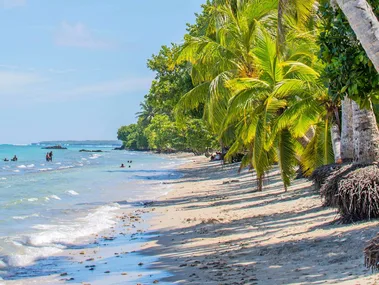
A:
(46, 206)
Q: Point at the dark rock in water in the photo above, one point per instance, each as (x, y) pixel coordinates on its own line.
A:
(88, 150)
(119, 148)
(54, 147)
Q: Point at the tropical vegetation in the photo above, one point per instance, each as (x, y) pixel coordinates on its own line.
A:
(281, 82)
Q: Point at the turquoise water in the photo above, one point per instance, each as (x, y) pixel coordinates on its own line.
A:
(45, 206)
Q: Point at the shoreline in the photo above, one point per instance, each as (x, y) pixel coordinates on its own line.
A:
(108, 257)
(212, 227)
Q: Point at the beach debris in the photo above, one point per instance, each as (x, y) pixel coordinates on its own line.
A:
(82, 252)
(124, 273)
(183, 265)
(320, 174)
(329, 190)
(90, 259)
(90, 266)
(64, 274)
(109, 238)
(371, 253)
(210, 221)
(230, 181)
(155, 281)
(358, 195)
(68, 279)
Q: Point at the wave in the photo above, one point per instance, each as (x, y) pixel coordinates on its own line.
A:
(25, 217)
(32, 199)
(51, 239)
(66, 167)
(95, 156)
(72, 192)
(55, 197)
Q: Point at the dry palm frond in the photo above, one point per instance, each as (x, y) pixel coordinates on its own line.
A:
(372, 254)
(358, 195)
(320, 174)
(329, 189)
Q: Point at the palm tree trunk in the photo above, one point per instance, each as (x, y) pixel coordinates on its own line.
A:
(281, 37)
(365, 25)
(260, 182)
(336, 142)
(347, 145)
(366, 135)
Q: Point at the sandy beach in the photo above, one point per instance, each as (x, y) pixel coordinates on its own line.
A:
(214, 228)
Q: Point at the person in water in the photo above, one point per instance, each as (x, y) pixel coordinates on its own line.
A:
(6, 159)
(122, 165)
(47, 156)
(14, 158)
(51, 155)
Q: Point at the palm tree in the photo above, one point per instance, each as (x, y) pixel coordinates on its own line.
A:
(223, 54)
(365, 25)
(275, 110)
(246, 86)
(364, 131)
(146, 114)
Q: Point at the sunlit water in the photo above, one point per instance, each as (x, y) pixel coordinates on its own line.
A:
(45, 206)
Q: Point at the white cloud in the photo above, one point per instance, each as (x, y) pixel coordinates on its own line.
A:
(13, 67)
(78, 35)
(61, 71)
(9, 4)
(108, 88)
(27, 87)
(13, 81)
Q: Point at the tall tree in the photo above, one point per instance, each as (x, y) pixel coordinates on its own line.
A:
(363, 21)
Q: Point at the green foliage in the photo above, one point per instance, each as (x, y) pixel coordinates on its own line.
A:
(231, 80)
(198, 137)
(169, 84)
(164, 135)
(348, 71)
(132, 137)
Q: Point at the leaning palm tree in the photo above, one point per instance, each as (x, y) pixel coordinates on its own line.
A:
(222, 55)
(273, 111)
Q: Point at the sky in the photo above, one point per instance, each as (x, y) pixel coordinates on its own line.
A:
(76, 69)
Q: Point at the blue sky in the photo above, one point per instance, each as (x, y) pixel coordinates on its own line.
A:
(76, 69)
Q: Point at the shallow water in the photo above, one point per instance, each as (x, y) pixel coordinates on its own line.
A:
(47, 206)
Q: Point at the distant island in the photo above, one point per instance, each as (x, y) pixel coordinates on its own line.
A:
(88, 143)
(54, 147)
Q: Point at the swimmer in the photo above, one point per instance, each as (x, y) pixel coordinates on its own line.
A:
(122, 165)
